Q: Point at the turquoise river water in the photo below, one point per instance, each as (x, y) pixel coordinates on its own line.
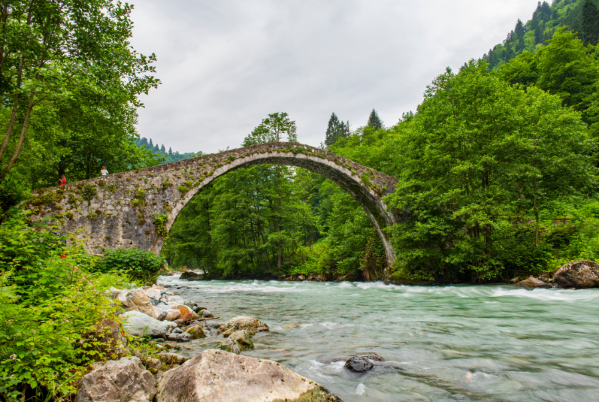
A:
(466, 343)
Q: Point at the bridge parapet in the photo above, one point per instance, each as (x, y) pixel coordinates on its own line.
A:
(138, 208)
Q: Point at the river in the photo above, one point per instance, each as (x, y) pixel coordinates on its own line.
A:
(467, 343)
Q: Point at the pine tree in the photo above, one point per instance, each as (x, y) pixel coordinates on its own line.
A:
(163, 149)
(590, 23)
(170, 151)
(539, 35)
(374, 121)
(335, 130)
(520, 31)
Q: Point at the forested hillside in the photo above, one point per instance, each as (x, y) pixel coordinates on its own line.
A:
(161, 153)
(580, 16)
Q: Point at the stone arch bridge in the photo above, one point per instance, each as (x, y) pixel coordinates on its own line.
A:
(138, 208)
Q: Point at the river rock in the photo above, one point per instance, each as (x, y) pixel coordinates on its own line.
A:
(207, 313)
(191, 276)
(171, 300)
(360, 364)
(158, 312)
(114, 292)
(250, 324)
(118, 380)
(187, 314)
(136, 300)
(578, 274)
(140, 324)
(172, 315)
(533, 283)
(172, 358)
(154, 293)
(196, 332)
(237, 342)
(214, 375)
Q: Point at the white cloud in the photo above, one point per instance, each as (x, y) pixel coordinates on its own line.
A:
(226, 64)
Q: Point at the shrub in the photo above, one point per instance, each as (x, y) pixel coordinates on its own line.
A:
(47, 306)
(140, 265)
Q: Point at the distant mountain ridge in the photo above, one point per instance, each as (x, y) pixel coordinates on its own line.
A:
(160, 151)
(576, 15)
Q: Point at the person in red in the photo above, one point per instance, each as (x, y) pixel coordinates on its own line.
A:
(63, 180)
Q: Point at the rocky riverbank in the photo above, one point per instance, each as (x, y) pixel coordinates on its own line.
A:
(581, 274)
(162, 323)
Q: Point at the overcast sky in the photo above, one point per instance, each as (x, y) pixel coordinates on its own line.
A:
(226, 64)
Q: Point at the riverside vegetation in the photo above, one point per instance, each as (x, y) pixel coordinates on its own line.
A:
(497, 169)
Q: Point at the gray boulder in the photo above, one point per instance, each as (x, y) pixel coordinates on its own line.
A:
(214, 375)
(118, 380)
(360, 364)
(237, 342)
(250, 324)
(578, 274)
(533, 283)
(140, 324)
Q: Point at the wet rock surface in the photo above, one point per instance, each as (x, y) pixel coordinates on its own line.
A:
(250, 324)
(363, 363)
(578, 274)
(214, 375)
(533, 283)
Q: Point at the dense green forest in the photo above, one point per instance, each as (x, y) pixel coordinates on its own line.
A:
(579, 16)
(491, 166)
(161, 153)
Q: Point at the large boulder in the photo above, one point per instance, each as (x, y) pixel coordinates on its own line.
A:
(187, 314)
(118, 380)
(214, 375)
(191, 276)
(250, 324)
(360, 364)
(140, 324)
(237, 342)
(578, 274)
(136, 300)
(533, 283)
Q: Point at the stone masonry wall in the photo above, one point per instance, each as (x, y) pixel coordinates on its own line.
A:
(137, 208)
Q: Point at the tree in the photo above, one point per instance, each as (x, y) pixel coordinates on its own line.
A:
(70, 55)
(480, 160)
(170, 151)
(374, 121)
(590, 22)
(336, 130)
(276, 127)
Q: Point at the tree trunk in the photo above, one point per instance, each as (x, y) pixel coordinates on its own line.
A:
(17, 152)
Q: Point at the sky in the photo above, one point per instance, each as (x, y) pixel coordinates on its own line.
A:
(226, 64)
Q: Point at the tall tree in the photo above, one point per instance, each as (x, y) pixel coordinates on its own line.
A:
(374, 121)
(68, 54)
(590, 23)
(276, 127)
(336, 129)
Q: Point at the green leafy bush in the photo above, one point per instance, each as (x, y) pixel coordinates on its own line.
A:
(48, 304)
(140, 265)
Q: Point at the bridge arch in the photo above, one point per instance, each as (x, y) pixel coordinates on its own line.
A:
(138, 208)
